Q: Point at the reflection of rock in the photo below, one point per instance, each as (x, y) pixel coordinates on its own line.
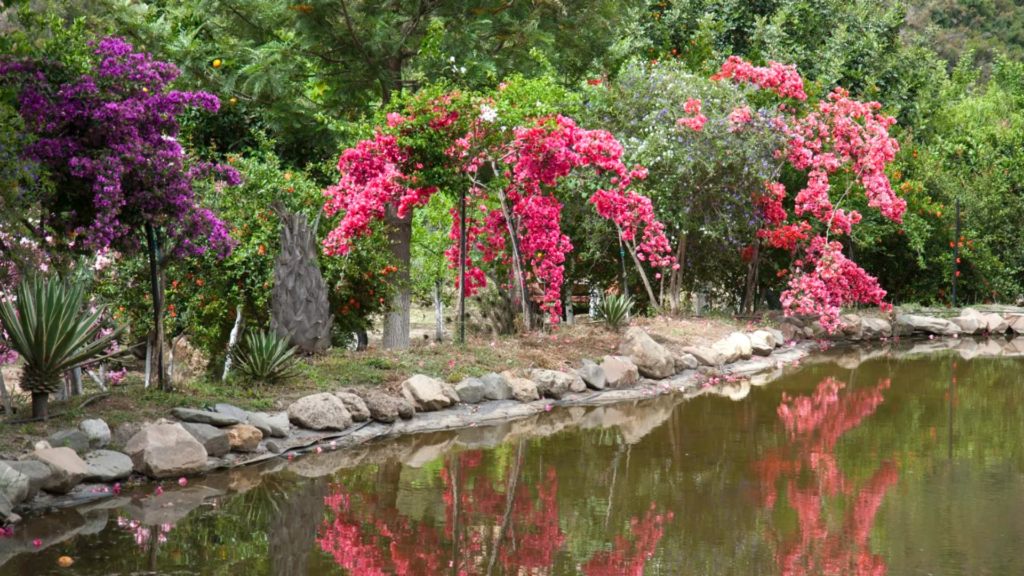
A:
(169, 507)
(634, 421)
(52, 529)
(1014, 347)
(95, 521)
(327, 463)
(765, 378)
(428, 451)
(243, 478)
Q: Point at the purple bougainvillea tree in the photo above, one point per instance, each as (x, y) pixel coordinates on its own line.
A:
(106, 132)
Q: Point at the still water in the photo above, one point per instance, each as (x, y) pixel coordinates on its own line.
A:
(898, 466)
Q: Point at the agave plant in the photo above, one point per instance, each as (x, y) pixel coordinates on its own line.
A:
(265, 357)
(614, 310)
(46, 325)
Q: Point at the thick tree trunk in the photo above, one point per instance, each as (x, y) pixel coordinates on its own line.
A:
(396, 321)
(675, 283)
(157, 292)
(39, 404)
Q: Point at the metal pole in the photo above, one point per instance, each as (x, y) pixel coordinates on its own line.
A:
(622, 258)
(462, 267)
(956, 250)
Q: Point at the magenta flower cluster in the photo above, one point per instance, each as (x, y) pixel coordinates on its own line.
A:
(109, 140)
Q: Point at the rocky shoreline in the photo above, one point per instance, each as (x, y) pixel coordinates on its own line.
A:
(76, 466)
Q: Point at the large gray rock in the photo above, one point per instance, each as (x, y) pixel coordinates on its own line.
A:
(523, 389)
(554, 384)
(1015, 322)
(320, 412)
(67, 470)
(780, 339)
(429, 394)
(993, 323)
(382, 408)
(471, 391)
(13, 484)
(38, 475)
(107, 466)
(875, 328)
(970, 324)
(234, 411)
(355, 405)
(762, 343)
(214, 440)
(271, 426)
(74, 439)
(791, 332)
(707, 356)
(166, 451)
(577, 385)
(96, 431)
(929, 324)
(124, 432)
(592, 375)
(620, 371)
(6, 507)
(735, 346)
(652, 359)
(850, 327)
(495, 387)
(204, 417)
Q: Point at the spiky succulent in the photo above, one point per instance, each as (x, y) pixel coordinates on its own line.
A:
(265, 357)
(614, 310)
(46, 325)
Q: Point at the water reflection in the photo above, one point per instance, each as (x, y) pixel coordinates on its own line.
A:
(859, 466)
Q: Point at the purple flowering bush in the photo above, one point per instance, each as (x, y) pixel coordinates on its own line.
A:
(108, 138)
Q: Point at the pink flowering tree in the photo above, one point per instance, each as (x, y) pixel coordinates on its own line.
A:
(842, 147)
(511, 159)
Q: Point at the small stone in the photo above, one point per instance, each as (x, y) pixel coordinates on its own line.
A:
(234, 411)
(38, 475)
(592, 375)
(96, 431)
(762, 343)
(429, 394)
(620, 371)
(686, 362)
(270, 425)
(495, 387)
(166, 451)
(41, 445)
(320, 412)
(554, 384)
(244, 437)
(383, 408)
(791, 332)
(406, 409)
(355, 405)
(471, 391)
(706, 356)
(780, 339)
(107, 466)
(275, 446)
(67, 469)
(214, 440)
(13, 484)
(204, 417)
(74, 439)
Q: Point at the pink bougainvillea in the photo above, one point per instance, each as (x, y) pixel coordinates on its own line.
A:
(519, 215)
(837, 135)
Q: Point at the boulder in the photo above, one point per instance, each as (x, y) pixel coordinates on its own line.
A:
(74, 439)
(38, 475)
(929, 324)
(686, 361)
(382, 408)
(471, 391)
(735, 346)
(592, 375)
(523, 389)
(322, 411)
(123, 433)
(13, 484)
(555, 384)
(355, 405)
(705, 356)
(792, 321)
(791, 332)
(244, 437)
(496, 388)
(275, 426)
(762, 343)
(850, 327)
(777, 334)
(429, 394)
(619, 371)
(875, 328)
(67, 469)
(204, 417)
(970, 324)
(1015, 322)
(577, 385)
(652, 359)
(234, 411)
(992, 323)
(107, 466)
(6, 508)
(901, 328)
(214, 440)
(96, 431)
(166, 451)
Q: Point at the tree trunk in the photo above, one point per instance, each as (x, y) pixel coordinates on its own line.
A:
(747, 305)
(675, 283)
(236, 331)
(39, 404)
(438, 313)
(396, 321)
(157, 292)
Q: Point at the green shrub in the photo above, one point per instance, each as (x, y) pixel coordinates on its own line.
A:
(265, 358)
(614, 310)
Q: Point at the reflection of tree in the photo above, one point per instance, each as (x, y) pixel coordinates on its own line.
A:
(511, 523)
(290, 532)
(808, 465)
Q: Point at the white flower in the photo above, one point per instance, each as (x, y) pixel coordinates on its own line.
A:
(452, 59)
(488, 114)
(462, 69)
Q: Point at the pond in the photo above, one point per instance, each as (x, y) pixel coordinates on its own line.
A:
(892, 465)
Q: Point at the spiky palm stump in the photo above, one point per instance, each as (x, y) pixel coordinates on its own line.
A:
(299, 307)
